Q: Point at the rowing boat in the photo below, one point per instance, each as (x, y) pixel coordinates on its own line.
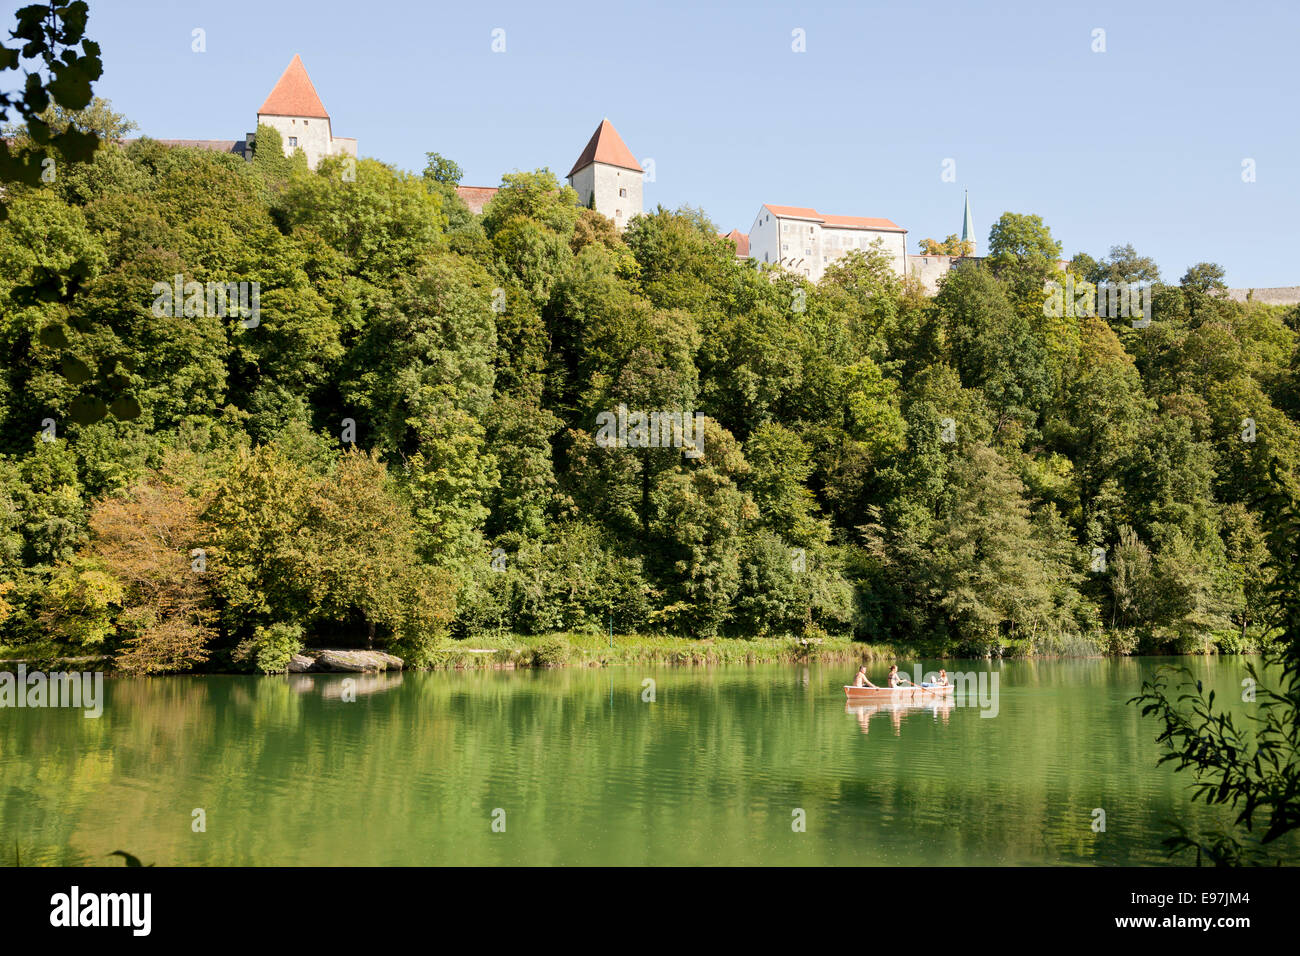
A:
(908, 692)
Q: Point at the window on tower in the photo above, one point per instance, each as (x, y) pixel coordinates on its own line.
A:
(293, 140)
(622, 193)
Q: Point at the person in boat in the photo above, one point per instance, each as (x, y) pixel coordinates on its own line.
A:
(893, 676)
(942, 679)
(861, 680)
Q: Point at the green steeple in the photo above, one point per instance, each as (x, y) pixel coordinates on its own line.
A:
(968, 227)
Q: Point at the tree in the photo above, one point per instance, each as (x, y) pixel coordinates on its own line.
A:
(979, 573)
(538, 197)
(442, 170)
(993, 346)
(1203, 277)
(431, 343)
(151, 542)
(777, 480)
(449, 479)
(951, 246)
(51, 32)
(1251, 767)
(1103, 411)
(323, 552)
(442, 176)
(1247, 556)
(1123, 266)
(699, 516)
(80, 606)
(382, 220)
(268, 153)
(1085, 266)
(1023, 253)
(521, 433)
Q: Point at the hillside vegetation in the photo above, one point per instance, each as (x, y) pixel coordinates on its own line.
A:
(403, 444)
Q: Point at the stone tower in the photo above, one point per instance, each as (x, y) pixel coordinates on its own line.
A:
(967, 227)
(294, 109)
(608, 177)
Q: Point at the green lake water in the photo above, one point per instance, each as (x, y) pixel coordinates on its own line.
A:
(581, 769)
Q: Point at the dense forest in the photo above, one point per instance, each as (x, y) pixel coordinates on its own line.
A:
(399, 443)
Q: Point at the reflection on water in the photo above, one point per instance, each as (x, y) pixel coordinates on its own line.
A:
(937, 708)
(339, 687)
(410, 769)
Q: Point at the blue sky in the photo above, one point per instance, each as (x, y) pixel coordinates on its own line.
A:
(1143, 143)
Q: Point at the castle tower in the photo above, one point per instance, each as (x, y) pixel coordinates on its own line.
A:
(294, 109)
(967, 227)
(608, 177)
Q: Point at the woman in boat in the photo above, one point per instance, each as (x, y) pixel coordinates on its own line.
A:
(942, 680)
(861, 680)
(893, 676)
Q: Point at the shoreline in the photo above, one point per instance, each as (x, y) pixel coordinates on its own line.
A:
(516, 652)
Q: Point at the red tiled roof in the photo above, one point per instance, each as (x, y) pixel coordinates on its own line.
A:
(294, 95)
(834, 222)
(793, 212)
(863, 222)
(606, 146)
(476, 197)
(741, 240)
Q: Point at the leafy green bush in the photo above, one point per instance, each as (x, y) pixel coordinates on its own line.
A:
(550, 653)
(272, 647)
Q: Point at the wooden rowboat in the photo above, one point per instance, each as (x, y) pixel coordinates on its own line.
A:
(909, 692)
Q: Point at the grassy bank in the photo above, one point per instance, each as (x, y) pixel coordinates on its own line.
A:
(592, 650)
(570, 649)
(589, 650)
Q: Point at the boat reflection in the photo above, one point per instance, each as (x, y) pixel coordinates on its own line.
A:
(939, 707)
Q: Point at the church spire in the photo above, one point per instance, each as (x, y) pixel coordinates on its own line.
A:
(968, 227)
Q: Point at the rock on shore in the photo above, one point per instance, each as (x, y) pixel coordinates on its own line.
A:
(315, 661)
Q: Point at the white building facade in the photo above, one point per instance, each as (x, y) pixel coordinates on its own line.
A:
(805, 242)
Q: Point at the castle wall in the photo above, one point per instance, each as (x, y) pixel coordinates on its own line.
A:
(312, 135)
(1285, 295)
(930, 269)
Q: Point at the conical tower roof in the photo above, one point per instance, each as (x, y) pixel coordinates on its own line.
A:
(606, 146)
(967, 227)
(294, 95)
